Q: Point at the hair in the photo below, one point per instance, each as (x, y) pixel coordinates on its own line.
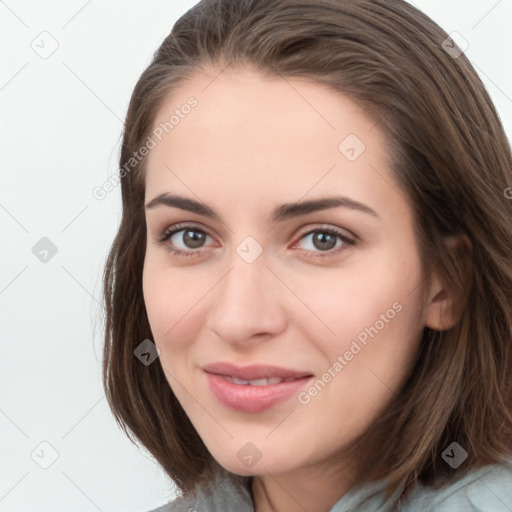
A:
(450, 157)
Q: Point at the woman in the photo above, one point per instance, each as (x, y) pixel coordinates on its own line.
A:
(309, 296)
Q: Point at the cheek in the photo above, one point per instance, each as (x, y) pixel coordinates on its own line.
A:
(373, 316)
(366, 363)
(175, 310)
(347, 302)
(165, 301)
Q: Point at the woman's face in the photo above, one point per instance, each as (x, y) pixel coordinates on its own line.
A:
(331, 294)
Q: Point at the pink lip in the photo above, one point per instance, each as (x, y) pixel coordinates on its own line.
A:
(247, 398)
(254, 371)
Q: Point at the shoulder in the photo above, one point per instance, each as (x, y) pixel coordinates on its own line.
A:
(227, 493)
(488, 489)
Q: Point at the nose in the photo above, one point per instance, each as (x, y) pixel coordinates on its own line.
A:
(247, 303)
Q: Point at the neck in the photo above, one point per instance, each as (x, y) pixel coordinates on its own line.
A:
(304, 489)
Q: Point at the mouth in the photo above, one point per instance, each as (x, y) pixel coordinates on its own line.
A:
(258, 382)
(253, 388)
(254, 372)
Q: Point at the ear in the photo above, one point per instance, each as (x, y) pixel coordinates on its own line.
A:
(445, 303)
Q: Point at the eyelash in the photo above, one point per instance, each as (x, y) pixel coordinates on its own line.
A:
(168, 233)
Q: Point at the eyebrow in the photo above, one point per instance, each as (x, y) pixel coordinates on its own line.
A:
(279, 214)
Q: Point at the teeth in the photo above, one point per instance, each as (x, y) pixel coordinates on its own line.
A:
(257, 382)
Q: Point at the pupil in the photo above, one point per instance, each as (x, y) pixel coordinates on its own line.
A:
(324, 241)
(193, 239)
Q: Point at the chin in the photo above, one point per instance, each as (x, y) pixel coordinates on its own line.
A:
(251, 468)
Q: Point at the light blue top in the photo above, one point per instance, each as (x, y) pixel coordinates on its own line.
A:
(488, 489)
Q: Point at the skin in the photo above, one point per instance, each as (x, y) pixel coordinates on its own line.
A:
(251, 144)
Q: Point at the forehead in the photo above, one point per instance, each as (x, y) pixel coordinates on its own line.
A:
(254, 138)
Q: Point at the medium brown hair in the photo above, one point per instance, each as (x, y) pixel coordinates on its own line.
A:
(452, 161)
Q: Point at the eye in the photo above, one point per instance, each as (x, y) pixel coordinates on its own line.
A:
(325, 240)
(183, 237)
(186, 240)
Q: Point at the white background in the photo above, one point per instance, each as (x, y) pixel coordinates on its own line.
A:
(61, 121)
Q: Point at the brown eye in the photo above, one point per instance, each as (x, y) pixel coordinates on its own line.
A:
(324, 241)
(192, 239)
(329, 241)
(183, 240)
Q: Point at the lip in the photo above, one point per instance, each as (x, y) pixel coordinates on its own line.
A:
(254, 371)
(248, 398)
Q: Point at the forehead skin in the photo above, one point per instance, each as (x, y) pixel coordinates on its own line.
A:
(225, 144)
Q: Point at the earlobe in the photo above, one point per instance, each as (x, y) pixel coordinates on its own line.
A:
(447, 301)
